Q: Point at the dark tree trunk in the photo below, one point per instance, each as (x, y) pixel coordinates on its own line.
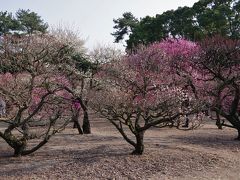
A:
(139, 147)
(186, 122)
(19, 145)
(75, 118)
(74, 125)
(235, 123)
(218, 121)
(19, 148)
(86, 124)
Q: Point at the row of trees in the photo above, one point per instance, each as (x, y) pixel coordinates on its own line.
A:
(45, 84)
(150, 86)
(47, 80)
(204, 18)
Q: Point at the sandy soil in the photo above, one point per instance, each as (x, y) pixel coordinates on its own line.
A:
(205, 153)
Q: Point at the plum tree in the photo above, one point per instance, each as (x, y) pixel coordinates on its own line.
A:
(78, 69)
(31, 86)
(141, 90)
(218, 67)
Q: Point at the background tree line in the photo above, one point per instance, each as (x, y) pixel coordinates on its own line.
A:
(204, 18)
(24, 21)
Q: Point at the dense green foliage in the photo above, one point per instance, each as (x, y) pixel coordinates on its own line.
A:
(24, 21)
(204, 18)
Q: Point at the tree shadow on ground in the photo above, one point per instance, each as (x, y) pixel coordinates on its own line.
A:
(214, 141)
(52, 158)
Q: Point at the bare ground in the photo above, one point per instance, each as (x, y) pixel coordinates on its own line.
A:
(205, 153)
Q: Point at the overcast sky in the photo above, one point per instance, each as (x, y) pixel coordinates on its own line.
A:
(92, 18)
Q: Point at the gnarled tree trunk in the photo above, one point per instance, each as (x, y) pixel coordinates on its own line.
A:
(75, 118)
(218, 121)
(19, 148)
(18, 145)
(86, 124)
(139, 147)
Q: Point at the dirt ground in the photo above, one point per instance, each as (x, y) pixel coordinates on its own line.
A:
(205, 153)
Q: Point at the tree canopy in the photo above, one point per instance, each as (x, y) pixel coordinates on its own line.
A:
(204, 18)
(24, 21)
